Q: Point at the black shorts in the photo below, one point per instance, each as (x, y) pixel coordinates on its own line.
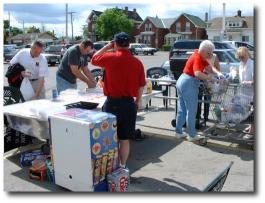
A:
(125, 110)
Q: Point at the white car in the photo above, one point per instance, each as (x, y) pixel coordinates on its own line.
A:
(137, 48)
(237, 44)
(227, 59)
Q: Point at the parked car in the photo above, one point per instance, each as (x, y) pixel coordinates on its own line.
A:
(237, 44)
(227, 59)
(56, 49)
(182, 46)
(137, 48)
(99, 44)
(10, 50)
(52, 59)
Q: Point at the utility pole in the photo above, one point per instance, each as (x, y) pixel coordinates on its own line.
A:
(9, 27)
(23, 27)
(71, 13)
(66, 22)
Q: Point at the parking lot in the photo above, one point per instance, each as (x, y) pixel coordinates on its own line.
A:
(159, 163)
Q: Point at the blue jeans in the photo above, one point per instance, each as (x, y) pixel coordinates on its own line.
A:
(62, 84)
(188, 89)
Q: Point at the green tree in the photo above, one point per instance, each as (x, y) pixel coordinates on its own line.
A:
(112, 21)
(33, 29)
(78, 38)
(14, 31)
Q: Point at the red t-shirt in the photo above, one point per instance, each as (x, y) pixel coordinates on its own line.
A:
(195, 63)
(124, 73)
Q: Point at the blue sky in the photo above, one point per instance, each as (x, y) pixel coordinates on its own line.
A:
(52, 16)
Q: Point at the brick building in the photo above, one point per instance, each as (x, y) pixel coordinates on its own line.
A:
(156, 31)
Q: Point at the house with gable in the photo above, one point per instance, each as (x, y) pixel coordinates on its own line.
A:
(156, 31)
(237, 28)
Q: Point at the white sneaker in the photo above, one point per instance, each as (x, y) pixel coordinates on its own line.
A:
(179, 136)
(195, 138)
(248, 137)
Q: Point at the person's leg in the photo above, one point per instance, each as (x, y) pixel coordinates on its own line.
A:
(199, 108)
(207, 98)
(181, 114)
(191, 102)
(124, 150)
(181, 111)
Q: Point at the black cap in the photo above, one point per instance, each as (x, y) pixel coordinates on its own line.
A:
(122, 39)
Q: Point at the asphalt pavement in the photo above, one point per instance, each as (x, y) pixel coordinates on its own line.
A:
(160, 162)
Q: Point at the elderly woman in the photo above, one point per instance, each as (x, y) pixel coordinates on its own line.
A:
(246, 76)
(196, 69)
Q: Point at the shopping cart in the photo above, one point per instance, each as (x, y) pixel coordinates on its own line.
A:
(230, 105)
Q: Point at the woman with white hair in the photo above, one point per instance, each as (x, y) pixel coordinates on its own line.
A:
(196, 69)
(246, 77)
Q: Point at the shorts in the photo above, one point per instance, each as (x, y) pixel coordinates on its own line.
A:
(125, 110)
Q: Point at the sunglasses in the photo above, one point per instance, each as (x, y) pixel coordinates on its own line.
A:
(210, 54)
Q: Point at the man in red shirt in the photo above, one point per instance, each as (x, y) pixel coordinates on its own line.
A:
(188, 88)
(124, 80)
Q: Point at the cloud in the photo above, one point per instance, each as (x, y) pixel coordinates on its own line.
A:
(53, 15)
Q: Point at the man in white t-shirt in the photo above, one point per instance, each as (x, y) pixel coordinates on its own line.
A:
(36, 67)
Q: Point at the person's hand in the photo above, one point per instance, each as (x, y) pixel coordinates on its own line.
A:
(220, 75)
(137, 103)
(91, 84)
(110, 45)
(211, 78)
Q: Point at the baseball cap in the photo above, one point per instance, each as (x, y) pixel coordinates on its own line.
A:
(122, 39)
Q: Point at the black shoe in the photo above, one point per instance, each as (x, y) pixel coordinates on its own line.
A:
(138, 136)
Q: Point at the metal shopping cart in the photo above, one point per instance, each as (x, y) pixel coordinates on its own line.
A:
(230, 105)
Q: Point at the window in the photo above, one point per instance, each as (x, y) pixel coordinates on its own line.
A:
(178, 27)
(216, 38)
(245, 38)
(187, 26)
(146, 27)
(150, 27)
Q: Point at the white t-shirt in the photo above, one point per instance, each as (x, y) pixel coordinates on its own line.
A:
(38, 66)
(246, 71)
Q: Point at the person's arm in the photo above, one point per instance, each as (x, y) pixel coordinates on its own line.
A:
(90, 76)
(104, 49)
(39, 88)
(200, 75)
(139, 96)
(80, 75)
(100, 58)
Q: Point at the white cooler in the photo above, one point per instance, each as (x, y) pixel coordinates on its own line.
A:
(83, 147)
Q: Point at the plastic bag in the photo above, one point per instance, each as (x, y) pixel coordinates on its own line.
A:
(26, 89)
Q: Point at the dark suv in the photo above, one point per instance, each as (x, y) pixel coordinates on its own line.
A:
(183, 46)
